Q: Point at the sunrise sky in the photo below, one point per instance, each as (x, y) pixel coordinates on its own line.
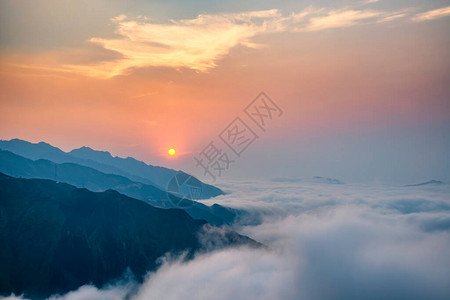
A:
(364, 85)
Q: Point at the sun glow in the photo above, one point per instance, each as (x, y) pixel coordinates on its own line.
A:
(171, 152)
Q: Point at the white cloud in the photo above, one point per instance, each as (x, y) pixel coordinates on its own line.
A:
(432, 14)
(337, 19)
(201, 42)
(327, 241)
(13, 297)
(88, 292)
(392, 17)
(347, 250)
(230, 274)
(194, 43)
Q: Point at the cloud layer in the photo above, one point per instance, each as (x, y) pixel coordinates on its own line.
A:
(327, 241)
(432, 14)
(199, 43)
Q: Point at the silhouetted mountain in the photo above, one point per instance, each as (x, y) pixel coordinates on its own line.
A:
(81, 176)
(318, 179)
(286, 179)
(103, 161)
(46, 151)
(159, 175)
(327, 180)
(56, 237)
(431, 182)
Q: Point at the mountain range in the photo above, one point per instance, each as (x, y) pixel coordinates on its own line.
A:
(56, 237)
(94, 180)
(430, 182)
(103, 161)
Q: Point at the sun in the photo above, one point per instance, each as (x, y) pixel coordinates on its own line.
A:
(171, 152)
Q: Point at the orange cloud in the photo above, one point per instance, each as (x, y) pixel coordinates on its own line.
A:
(432, 14)
(392, 17)
(197, 44)
(335, 19)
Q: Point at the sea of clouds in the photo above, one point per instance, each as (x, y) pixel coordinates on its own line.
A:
(325, 241)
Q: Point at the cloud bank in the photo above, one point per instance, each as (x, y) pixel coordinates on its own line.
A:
(199, 43)
(432, 14)
(327, 241)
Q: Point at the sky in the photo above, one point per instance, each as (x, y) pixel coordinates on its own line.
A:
(363, 86)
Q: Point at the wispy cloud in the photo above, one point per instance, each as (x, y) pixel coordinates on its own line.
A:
(391, 17)
(199, 43)
(194, 43)
(432, 14)
(342, 18)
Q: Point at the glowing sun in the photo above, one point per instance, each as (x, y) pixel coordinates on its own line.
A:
(171, 152)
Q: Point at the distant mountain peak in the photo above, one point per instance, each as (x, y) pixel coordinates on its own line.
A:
(89, 150)
(429, 182)
(328, 180)
(84, 150)
(103, 161)
(41, 143)
(22, 142)
(35, 150)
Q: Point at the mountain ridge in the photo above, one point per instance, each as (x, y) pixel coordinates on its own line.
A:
(57, 237)
(103, 161)
(94, 180)
(429, 182)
